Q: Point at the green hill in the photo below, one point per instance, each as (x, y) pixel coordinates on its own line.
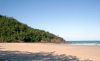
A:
(12, 30)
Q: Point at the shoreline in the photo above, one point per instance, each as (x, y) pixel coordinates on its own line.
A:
(82, 52)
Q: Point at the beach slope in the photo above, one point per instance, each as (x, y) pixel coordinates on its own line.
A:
(48, 52)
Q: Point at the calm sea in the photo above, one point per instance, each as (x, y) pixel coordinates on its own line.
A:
(85, 42)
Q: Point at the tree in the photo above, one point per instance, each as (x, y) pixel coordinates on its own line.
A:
(12, 30)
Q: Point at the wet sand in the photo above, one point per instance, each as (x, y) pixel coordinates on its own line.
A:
(48, 52)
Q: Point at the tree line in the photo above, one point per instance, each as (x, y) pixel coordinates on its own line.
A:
(12, 30)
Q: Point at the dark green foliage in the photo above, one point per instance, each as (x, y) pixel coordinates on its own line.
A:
(13, 31)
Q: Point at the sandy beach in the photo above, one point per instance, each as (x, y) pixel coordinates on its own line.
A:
(48, 52)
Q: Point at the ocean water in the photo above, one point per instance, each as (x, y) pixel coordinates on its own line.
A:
(85, 42)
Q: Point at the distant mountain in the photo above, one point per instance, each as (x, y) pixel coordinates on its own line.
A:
(12, 30)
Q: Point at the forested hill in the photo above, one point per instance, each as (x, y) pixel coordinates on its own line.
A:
(12, 30)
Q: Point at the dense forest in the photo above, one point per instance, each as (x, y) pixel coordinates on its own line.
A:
(12, 30)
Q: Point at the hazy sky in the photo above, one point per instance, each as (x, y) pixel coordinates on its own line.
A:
(70, 19)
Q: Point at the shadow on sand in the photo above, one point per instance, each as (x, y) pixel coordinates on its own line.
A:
(41, 56)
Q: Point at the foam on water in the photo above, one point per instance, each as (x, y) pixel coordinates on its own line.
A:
(85, 43)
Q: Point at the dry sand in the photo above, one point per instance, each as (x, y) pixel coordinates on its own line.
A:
(48, 52)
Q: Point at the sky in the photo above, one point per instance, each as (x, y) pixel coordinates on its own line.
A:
(70, 19)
